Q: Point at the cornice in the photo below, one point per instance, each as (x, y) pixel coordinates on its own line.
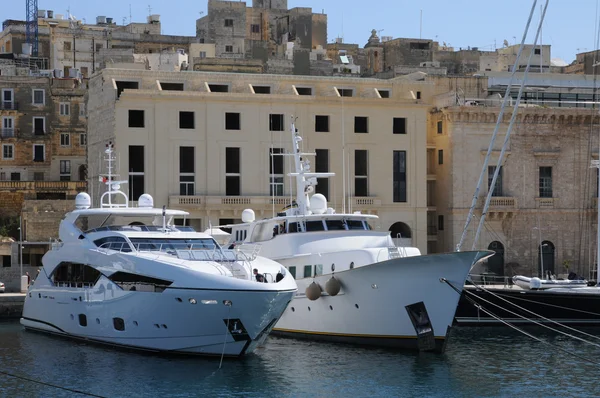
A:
(550, 116)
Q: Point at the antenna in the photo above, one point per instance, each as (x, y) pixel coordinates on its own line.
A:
(149, 10)
(130, 13)
(421, 26)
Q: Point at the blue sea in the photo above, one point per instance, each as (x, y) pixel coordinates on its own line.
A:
(479, 362)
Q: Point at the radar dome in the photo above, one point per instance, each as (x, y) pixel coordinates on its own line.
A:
(83, 201)
(248, 215)
(146, 200)
(318, 204)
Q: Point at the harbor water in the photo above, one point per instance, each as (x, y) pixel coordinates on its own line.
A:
(482, 362)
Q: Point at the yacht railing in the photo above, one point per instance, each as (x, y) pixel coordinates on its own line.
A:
(84, 285)
(490, 279)
(242, 255)
(391, 253)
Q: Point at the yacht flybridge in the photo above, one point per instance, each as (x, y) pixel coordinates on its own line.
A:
(354, 285)
(127, 276)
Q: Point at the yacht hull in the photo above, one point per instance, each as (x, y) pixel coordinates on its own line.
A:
(382, 304)
(162, 322)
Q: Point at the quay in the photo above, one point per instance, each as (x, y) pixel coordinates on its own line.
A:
(11, 305)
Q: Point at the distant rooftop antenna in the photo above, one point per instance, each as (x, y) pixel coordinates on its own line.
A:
(149, 10)
(130, 13)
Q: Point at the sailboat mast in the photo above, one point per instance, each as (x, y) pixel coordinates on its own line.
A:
(596, 164)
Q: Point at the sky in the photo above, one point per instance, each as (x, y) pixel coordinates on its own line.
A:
(569, 26)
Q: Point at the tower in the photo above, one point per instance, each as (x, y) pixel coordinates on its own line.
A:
(31, 32)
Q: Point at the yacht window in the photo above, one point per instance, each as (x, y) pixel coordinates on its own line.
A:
(170, 245)
(314, 226)
(68, 274)
(117, 243)
(293, 227)
(335, 225)
(355, 224)
(119, 324)
(368, 226)
(292, 270)
(318, 269)
(82, 320)
(307, 271)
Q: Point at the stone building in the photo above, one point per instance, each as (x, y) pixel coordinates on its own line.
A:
(75, 47)
(261, 31)
(206, 149)
(543, 209)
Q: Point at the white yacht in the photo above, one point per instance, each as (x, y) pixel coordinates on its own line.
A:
(354, 285)
(127, 276)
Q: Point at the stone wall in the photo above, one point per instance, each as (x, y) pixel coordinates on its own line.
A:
(12, 202)
(41, 218)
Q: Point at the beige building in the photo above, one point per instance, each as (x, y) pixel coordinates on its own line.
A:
(545, 194)
(206, 149)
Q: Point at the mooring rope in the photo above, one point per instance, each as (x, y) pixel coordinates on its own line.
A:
(51, 385)
(228, 304)
(535, 314)
(478, 306)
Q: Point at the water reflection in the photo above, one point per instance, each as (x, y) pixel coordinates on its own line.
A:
(479, 362)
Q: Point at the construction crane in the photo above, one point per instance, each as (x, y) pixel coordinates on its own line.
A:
(31, 32)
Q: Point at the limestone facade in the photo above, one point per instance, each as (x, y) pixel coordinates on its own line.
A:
(216, 113)
(547, 192)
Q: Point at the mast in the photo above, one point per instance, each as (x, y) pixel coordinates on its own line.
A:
(113, 187)
(596, 164)
(305, 179)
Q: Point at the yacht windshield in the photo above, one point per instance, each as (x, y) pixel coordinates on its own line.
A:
(172, 245)
(95, 221)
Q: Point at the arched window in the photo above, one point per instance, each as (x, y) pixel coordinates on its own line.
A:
(83, 172)
(400, 230)
(495, 263)
(546, 259)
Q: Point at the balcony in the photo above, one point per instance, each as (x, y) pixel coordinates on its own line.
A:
(9, 133)
(71, 187)
(254, 202)
(546, 203)
(500, 206)
(9, 105)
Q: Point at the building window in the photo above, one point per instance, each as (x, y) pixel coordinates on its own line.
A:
(8, 152)
(218, 88)
(8, 99)
(498, 187)
(187, 175)
(399, 175)
(65, 109)
(38, 176)
(232, 121)
(304, 90)
(537, 51)
(228, 49)
(38, 97)
(123, 85)
(418, 95)
(15, 176)
(440, 223)
(322, 166)
(84, 72)
(322, 123)
(39, 125)
(65, 139)
(136, 118)
(186, 120)
(545, 182)
(361, 176)
(172, 86)
(399, 125)
(261, 89)
(255, 28)
(384, 93)
(65, 170)
(276, 172)
(8, 127)
(440, 156)
(276, 122)
(82, 139)
(229, 23)
(39, 153)
(345, 92)
(136, 171)
(232, 172)
(440, 127)
(98, 47)
(361, 124)
(202, 54)
(81, 109)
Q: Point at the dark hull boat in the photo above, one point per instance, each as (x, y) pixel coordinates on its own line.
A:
(568, 306)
